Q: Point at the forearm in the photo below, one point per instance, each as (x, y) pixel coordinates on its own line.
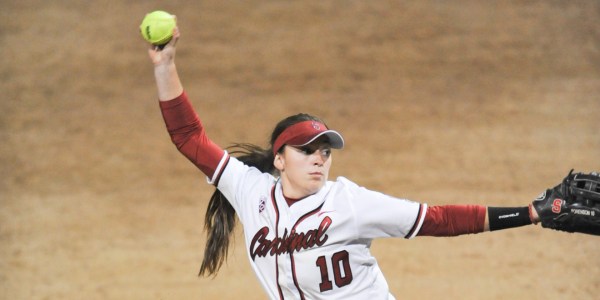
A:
(499, 218)
(165, 72)
(167, 81)
(453, 220)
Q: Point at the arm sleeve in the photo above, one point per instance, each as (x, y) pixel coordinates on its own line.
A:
(379, 215)
(188, 134)
(453, 220)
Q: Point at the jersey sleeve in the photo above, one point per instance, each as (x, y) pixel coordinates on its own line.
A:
(379, 215)
(188, 135)
(240, 183)
(453, 220)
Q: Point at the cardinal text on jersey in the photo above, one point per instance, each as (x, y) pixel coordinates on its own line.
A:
(262, 246)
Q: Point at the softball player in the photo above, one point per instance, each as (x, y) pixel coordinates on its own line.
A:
(307, 237)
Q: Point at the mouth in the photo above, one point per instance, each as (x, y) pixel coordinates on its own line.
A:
(315, 174)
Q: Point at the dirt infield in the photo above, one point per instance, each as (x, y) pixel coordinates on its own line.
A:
(442, 102)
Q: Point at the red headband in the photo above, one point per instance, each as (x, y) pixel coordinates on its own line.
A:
(303, 133)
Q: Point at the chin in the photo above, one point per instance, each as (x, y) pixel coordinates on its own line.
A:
(315, 188)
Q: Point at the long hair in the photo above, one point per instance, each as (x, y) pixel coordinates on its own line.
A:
(220, 220)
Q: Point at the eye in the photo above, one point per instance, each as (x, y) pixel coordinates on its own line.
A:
(307, 150)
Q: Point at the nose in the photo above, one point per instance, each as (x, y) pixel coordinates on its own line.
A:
(319, 158)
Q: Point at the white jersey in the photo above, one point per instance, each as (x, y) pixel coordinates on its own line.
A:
(317, 248)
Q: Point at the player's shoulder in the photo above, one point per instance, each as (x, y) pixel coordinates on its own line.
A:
(343, 182)
(352, 188)
(237, 170)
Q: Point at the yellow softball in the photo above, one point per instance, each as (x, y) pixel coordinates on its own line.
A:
(157, 27)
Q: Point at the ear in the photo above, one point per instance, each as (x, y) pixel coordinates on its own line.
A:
(279, 162)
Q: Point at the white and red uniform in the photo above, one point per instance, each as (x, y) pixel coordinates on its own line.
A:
(319, 246)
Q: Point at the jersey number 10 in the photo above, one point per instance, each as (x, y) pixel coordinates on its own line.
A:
(339, 260)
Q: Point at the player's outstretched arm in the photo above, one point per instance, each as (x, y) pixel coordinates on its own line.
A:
(453, 220)
(165, 72)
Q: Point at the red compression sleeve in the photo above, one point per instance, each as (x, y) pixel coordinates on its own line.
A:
(453, 220)
(188, 134)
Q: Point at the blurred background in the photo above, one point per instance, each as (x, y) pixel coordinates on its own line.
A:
(444, 102)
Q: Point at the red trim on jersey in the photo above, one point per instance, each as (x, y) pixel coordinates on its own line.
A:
(453, 220)
(276, 235)
(291, 201)
(188, 134)
(308, 214)
(220, 172)
(417, 222)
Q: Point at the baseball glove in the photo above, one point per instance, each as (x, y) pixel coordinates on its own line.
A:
(571, 206)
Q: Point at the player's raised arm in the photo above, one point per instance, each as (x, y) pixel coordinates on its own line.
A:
(165, 72)
(188, 134)
(183, 124)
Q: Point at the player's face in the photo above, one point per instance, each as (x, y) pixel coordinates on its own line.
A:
(304, 170)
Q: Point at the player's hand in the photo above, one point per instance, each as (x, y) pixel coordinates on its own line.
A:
(166, 55)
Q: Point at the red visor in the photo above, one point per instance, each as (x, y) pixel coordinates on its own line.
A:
(303, 133)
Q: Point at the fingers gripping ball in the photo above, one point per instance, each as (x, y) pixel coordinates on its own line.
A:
(157, 27)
